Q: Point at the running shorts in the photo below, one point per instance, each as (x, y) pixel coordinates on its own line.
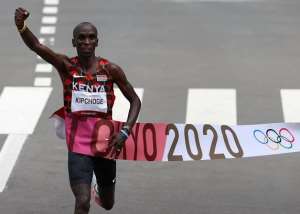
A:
(81, 168)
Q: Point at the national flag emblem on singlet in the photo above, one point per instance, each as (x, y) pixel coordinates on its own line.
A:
(101, 78)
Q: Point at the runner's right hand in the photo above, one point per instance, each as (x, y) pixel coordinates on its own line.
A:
(20, 16)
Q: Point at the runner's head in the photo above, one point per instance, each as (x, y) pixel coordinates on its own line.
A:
(85, 39)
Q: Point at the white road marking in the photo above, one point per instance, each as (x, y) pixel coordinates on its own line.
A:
(51, 40)
(21, 108)
(50, 10)
(290, 101)
(45, 41)
(9, 155)
(43, 67)
(42, 81)
(216, 106)
(49, 20)
(121, 106)
(48, 30)
(51, 2)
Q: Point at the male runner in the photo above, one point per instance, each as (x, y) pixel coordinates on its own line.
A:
(88, 92)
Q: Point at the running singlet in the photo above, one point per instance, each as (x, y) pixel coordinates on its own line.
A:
(87, 96)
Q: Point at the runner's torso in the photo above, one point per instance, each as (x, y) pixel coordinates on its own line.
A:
(88, 94)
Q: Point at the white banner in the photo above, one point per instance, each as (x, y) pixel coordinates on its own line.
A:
(179, 142)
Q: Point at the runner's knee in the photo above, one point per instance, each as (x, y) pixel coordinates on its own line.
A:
(83, 202)
(108, 205)
(108, 196)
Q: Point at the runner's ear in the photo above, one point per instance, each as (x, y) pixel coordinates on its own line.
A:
(73, 42)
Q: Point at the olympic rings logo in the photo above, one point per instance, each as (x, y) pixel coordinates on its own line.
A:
(274, 139)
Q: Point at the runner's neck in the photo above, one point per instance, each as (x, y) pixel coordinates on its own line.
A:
(88, 64)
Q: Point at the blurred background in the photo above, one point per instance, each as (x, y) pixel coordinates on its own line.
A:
(191, 61)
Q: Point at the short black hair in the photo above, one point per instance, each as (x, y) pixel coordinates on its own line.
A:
(76, 29)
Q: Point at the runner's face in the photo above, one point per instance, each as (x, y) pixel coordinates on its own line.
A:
(86, 40)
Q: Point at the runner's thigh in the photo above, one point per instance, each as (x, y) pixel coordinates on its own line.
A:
(80, 169)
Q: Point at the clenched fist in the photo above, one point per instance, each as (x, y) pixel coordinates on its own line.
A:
(20, 16)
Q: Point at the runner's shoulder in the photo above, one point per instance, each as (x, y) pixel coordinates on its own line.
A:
(70, 61)
(66, 63)
(114, 69)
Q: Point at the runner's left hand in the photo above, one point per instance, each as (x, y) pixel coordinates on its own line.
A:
(117, 142)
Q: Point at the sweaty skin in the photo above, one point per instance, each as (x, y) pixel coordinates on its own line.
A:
(85, 41)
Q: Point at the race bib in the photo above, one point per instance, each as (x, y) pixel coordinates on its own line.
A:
(89, 101)
(88, 97)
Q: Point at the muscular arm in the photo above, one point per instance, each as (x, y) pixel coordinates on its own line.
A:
(128, 91)
(33, 43)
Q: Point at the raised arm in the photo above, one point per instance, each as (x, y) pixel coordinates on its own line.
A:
(33, 43)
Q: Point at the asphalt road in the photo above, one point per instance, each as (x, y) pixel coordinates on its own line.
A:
(166, 48)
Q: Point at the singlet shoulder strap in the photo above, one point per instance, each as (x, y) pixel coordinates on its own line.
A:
(74, 60)
(103, 64)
